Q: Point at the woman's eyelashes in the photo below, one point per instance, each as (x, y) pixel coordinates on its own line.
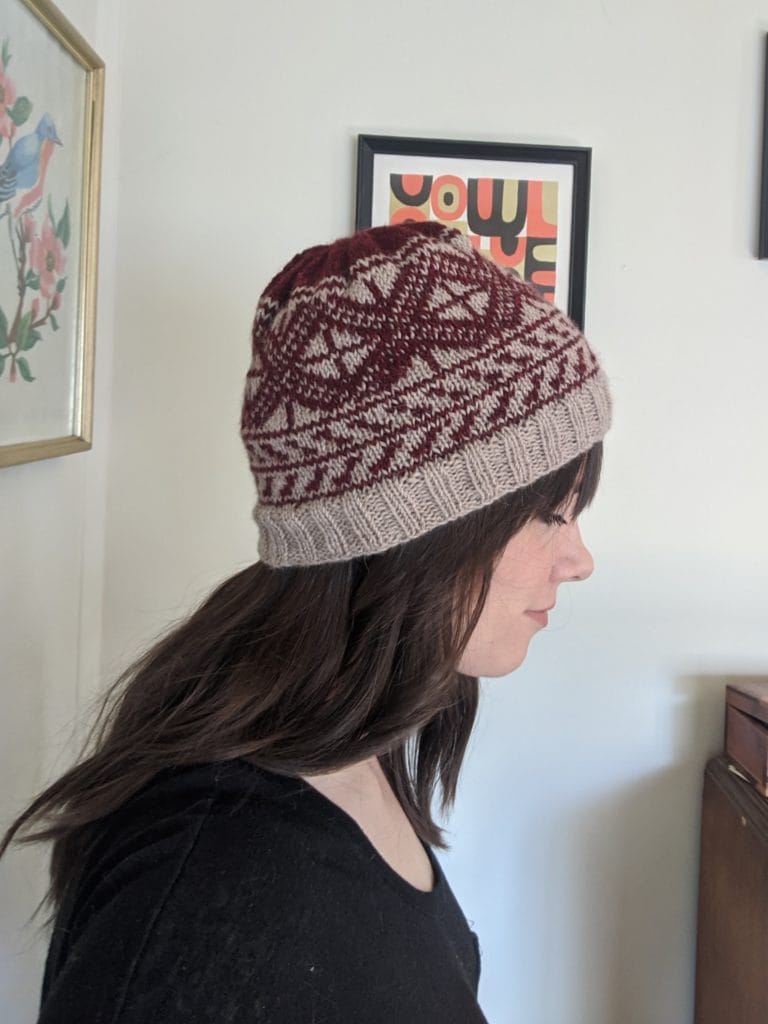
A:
(554, 519)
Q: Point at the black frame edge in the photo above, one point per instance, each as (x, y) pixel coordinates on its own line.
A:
(762, 245)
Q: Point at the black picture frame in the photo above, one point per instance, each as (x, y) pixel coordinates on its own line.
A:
(762, 243)
(567, 166)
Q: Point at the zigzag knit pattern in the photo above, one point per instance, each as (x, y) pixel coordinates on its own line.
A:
(400, 379)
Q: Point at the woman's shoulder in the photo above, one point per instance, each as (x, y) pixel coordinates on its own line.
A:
(230, 817)
(194, 838)
(212, 787)
(208, 804)
(189, 875)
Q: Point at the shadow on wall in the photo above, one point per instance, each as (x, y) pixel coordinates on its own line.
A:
(628, 883)
(657, 823)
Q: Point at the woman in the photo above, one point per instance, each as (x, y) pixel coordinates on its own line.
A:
(250, 837)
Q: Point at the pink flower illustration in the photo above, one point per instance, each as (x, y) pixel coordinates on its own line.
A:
(46, 258)
(7, 99)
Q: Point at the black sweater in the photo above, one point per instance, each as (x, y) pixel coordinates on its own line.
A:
(225, 893)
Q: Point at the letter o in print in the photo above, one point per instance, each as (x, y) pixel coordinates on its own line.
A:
(448, 197)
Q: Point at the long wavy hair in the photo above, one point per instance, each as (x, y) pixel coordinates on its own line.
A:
(307, 670)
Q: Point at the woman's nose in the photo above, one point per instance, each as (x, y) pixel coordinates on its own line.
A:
(574, 561)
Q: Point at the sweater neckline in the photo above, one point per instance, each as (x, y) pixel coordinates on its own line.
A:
(297, 786)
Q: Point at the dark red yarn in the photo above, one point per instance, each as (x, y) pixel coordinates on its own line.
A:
(311, 266)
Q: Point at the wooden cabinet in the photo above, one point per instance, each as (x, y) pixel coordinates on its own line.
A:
(732, 942)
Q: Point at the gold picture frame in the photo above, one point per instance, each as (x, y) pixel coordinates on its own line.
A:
(51, 115)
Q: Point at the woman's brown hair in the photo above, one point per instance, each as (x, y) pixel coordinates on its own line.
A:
(306, 670)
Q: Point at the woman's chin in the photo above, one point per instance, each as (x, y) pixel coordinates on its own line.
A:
(493, 667)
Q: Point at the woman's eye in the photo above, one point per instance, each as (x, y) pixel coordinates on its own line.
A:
(554, 519)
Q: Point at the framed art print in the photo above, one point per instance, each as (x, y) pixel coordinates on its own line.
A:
(51, 100)
(524, 206)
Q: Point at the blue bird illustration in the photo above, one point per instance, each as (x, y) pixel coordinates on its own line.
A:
(27, 160)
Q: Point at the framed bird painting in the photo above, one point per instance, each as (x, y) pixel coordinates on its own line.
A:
(51, 102)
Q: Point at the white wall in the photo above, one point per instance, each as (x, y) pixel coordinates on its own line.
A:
(575, 835)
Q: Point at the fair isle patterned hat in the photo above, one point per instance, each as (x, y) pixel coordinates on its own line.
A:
(400, 380)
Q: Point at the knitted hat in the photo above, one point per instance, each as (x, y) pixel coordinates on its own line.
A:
(400, 380)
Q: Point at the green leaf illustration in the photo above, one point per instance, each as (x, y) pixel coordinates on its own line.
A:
(32, 339)
(2, 365)
(3, 330)
(22, 337)
(32, 281)
(54, 321)
(60, 284)
(6, 52)
(51, 214)
(24, 370)
(63, 230)
(20, 110)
